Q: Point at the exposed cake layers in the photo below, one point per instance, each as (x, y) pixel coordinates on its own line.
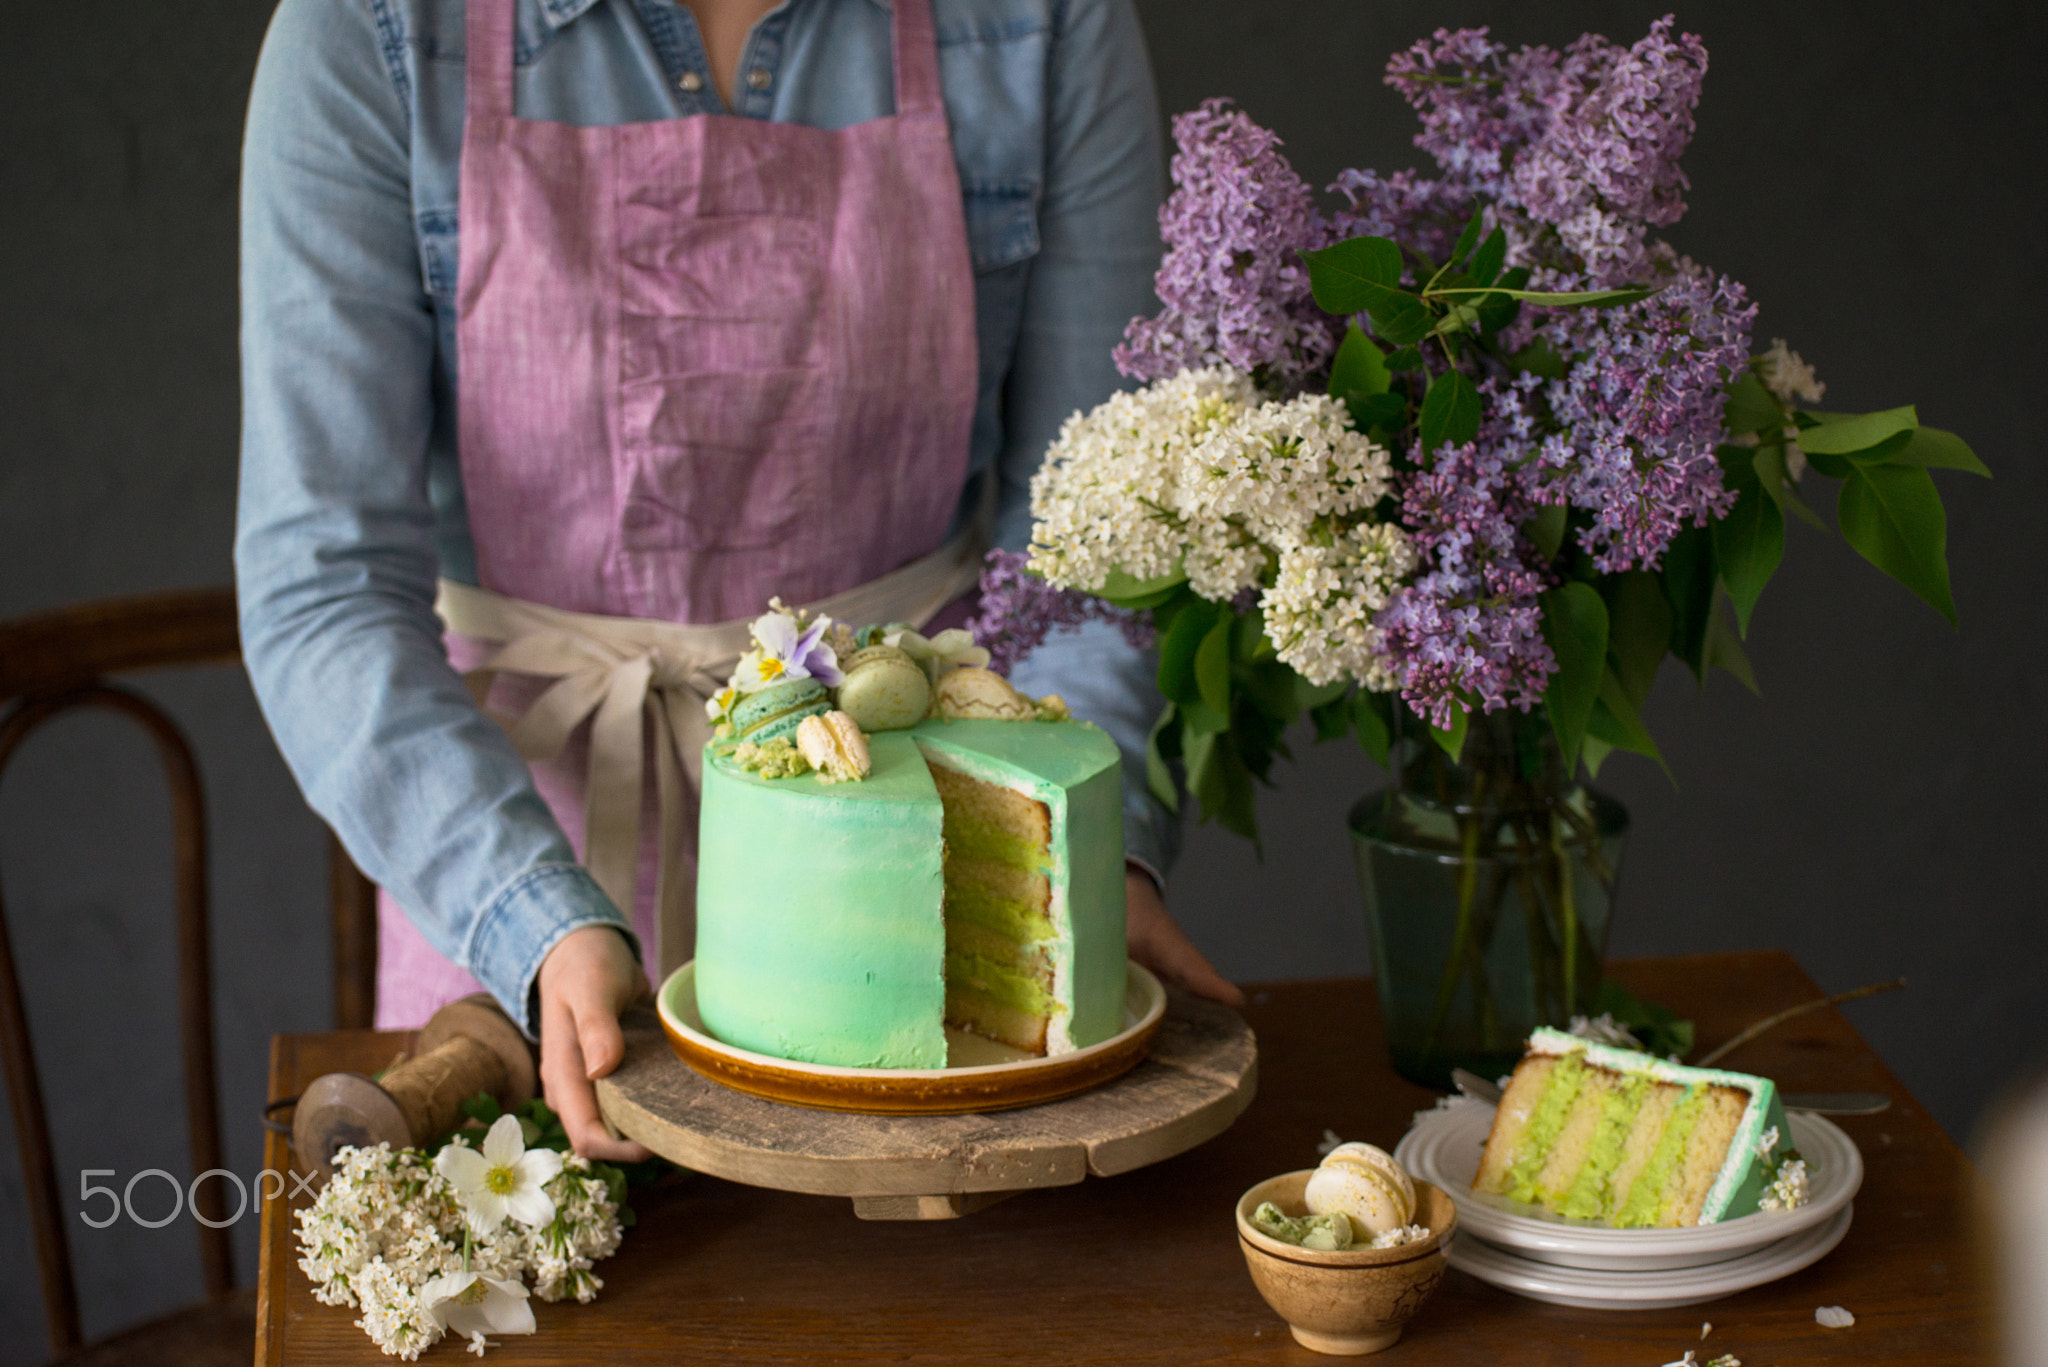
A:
(1607, 1134)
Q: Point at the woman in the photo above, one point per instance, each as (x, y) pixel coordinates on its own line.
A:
(747, 300)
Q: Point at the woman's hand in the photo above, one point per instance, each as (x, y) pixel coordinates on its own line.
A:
(586, 979)
(1155, 941)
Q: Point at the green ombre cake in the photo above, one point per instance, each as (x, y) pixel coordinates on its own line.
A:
(973, 879)
(1633, 1141)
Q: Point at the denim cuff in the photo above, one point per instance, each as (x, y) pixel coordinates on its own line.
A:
(528, 919)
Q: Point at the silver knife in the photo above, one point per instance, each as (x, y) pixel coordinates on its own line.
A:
(1813, 1103)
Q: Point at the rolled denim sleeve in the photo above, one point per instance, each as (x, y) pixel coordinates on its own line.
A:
(334, 551)
(1099, 244)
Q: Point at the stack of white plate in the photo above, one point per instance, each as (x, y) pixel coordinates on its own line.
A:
(1534, 1253)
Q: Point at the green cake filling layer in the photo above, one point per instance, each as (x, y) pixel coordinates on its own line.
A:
(990, 904)
(1544, 1127)
(979, 840)
(1645, 1204)
(1619, 1106)
(999, 982)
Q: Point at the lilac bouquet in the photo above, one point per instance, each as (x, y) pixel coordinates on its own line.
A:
(1466, 444)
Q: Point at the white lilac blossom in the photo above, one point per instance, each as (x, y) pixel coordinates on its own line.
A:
(505, 1179)
(388, 1225)
(1258, 502)
(1789, 378)
(1233, 284)
(1790, 1189)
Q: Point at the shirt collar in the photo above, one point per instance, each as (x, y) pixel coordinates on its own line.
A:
(560, 12)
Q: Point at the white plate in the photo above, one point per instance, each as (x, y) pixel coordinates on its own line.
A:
(1443, 1146)
(1596, 1290)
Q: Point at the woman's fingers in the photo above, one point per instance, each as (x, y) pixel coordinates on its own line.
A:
(583, 982)
(1156, 940)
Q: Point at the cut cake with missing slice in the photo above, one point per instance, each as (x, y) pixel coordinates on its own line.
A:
(1631, 1140)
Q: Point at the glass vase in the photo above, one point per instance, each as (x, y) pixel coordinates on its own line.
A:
(1489, 885)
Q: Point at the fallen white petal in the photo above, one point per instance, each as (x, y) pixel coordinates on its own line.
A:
(1706, 1329)
(1833, 1317)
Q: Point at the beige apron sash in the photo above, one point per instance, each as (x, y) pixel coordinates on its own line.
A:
(613, 671)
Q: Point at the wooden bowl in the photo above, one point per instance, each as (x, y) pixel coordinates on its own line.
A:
(1348, 1301)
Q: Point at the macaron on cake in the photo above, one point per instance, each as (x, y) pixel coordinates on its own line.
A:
(884, 689)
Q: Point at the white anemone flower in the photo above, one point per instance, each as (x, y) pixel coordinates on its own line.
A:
(503, 1180)
(470, 1305)
(951, 649)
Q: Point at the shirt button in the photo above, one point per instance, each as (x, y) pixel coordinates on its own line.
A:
(760, 78)
(690, 82)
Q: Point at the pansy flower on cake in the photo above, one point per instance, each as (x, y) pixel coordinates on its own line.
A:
(962, 848)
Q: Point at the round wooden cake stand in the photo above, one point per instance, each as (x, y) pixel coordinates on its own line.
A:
(1199, 1077)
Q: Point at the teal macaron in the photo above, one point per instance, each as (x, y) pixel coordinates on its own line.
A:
(778, 709)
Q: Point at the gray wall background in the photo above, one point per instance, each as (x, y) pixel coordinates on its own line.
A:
(1871, 171)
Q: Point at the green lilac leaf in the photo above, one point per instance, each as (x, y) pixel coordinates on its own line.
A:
(1467, 238)
(1453, 740)
(1538, 359)
(1769, 464)
(1751, 407)
(1595, 754)
(1546, 529)
(1688, 578)
(1933, 449)
(1158, 777)
(1399, 316)
(1893, 516)
(1486, 262)
(1574, 299)
(1575, 625)
(1177, 647)
(1384, 411)
(1724, 651)
(1844, 434)
(1199, 751)
(1616, 721)
(1638, 629)
(1657, 1028)
(1332, 719)
(1407, 358)
(1833, 466)
(1345, 277)
(1124, 591)
(1750, 541)
(1358, 373)
(1369, 720)
(1450, 412)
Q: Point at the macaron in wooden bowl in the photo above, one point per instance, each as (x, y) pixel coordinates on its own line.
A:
(1345, 1301)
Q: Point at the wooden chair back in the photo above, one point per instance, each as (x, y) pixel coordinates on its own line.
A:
(58, 662)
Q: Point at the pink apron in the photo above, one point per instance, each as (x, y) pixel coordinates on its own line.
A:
(703, 361)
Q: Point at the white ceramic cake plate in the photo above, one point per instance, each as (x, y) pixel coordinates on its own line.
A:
(1443, 1147)
(982, 1075)
(1592, 1289)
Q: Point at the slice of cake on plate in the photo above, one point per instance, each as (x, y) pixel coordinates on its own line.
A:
(1599, 1133)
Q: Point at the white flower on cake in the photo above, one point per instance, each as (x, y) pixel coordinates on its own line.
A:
(472, 1305)
(505, 1179)
(951, 649)
(786, 647)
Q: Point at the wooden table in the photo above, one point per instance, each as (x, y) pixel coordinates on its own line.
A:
(1144, 1268)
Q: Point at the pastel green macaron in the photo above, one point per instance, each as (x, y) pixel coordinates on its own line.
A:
(884, 689)
(778, 709)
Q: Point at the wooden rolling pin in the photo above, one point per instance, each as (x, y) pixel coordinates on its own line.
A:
(469, 1046)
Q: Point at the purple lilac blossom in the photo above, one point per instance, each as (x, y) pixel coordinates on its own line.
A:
(1426, 215)
(1234, 288)
(1606, 165)
(1471, 625)
(1638, 415)
(1479, 103)
(1019, 610)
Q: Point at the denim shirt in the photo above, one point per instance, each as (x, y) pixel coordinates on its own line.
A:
(351, 496)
